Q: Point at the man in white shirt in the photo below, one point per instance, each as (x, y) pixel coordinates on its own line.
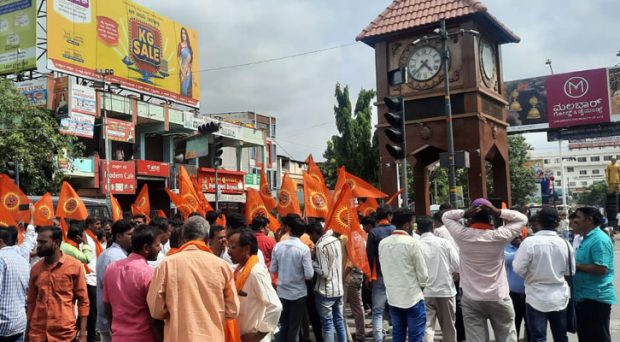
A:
(482, 272)
(260, 307)
(93, 226)
(543, 260)
(405, 276)
(442, 261)
(328, 289)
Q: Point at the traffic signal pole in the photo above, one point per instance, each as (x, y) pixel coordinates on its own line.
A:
(405, 183)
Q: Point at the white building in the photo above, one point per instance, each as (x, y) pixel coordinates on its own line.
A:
(583, 166)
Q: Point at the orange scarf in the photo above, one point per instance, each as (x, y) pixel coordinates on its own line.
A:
(242, 276)
(481, 226)
(98, 246)
(384, 222)
(172, 251)
(231, 329)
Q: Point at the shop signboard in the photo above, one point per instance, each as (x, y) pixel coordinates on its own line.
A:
(230, 182)
(152, 168)
(122, 177)
(120, 130)
(148, 52)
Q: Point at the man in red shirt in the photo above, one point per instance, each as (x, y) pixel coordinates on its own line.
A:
(265, 243)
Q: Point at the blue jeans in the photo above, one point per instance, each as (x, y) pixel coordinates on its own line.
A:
(379, 301)
(537, 324)
(330, 312)
(408, 323)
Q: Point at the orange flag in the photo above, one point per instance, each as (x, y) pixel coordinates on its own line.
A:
(44, 210)
(117, 211)
(142, 205)
(70, 205)
(368, 207)
(160, 213)
(287, 198)
(6, 218)
(357, 247)
(254, 207)
(179, 202)
(394, 197)
(359, 187)
(316, 199)
(12, 197)
(314, 169)
(188, 192)
(265, 192)
(206, 206)
(221, 220)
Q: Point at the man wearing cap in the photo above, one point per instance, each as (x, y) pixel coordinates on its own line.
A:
(482, 271)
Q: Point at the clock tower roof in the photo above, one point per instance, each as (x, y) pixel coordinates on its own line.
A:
(406, 15)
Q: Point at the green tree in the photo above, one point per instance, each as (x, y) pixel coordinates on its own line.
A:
(355, 147)
(594, 195)
(522, 183)
(29, 136)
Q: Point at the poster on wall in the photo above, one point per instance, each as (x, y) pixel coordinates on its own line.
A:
(148, 52)
(18, 36)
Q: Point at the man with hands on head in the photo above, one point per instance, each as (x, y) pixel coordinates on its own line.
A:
(482, 272)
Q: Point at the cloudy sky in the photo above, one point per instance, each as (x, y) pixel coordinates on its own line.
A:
(574, 34)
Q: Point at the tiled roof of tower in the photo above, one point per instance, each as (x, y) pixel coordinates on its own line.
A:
(408, 14)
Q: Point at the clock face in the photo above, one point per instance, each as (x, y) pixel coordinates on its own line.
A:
(488, 60)
(424, 63)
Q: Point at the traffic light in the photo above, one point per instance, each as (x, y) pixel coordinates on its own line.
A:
(209, 127)
(218, 145)
(11, 169)
(396, 132)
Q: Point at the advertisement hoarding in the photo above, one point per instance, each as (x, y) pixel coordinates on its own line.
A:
(148, 52)
(230, 182)
(119, 130)
(80, 120)
(122, 177)
(18, 36)
(527, 104)
(80, 125)
(34, 90)
(614, 93)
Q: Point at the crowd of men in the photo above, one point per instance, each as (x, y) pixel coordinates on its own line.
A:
(158, 279)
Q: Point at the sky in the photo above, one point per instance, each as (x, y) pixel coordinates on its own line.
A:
(299, 91)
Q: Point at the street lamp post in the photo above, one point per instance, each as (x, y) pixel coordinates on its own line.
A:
(443, 34)
(104, 73)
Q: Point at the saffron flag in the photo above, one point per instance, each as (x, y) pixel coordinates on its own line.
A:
(206, 206)
(316, 199)
(70, 205)
(254, 207)
(160, 213)
(368, 207)
(6, 218)
(11, 197)
(339, 219)
(44, 210)
(142, 204)
(314, 169)
(221, 220)
(265, 191)
(359, 187)
(287, 197)
(179, 202)
(394, 197)
(188, 192)
(117, 211)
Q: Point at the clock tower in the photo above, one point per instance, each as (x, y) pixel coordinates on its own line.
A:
(399, 36)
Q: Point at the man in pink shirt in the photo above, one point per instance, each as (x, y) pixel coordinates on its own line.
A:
(482, 271)
(125, 286)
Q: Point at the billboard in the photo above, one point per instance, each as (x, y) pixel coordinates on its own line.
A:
(148, 52)
(34, 90)
(80, 120)
(18, 35)
(119, 130)
(563, 100)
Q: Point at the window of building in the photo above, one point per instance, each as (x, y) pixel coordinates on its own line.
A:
(584, 183)
(272, 132)
(570, 169)
(596, 172)
(583, 172)
(582, 159)
(558, 173)
(607, 158)
(547, 161)
(595, 158)
(557, 160)
(572, 183)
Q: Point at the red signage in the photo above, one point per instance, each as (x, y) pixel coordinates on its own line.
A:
(122, 177)
(230, 182)
(577, 98)
(152, 168)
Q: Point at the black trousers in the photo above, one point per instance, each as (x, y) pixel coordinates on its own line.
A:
(459, 324)
(290, 319)
(593, 321)
(518, 303)
(91, 323)
(13, 338)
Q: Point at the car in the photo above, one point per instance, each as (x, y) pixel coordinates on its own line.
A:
(96, 206)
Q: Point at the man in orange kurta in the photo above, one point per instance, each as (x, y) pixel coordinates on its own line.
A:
(193, 291)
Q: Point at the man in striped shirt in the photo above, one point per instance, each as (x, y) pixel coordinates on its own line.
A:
(14, 275)
(328, 288)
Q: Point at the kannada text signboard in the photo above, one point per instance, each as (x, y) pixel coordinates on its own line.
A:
(120, 130)
(18, 36)
(122, 177)
(148, 52)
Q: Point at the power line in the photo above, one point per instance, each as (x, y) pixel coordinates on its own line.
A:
(269, 60)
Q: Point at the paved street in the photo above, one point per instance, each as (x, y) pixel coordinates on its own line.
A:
(615, 314)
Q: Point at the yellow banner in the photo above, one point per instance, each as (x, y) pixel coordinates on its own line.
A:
(148, 53)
